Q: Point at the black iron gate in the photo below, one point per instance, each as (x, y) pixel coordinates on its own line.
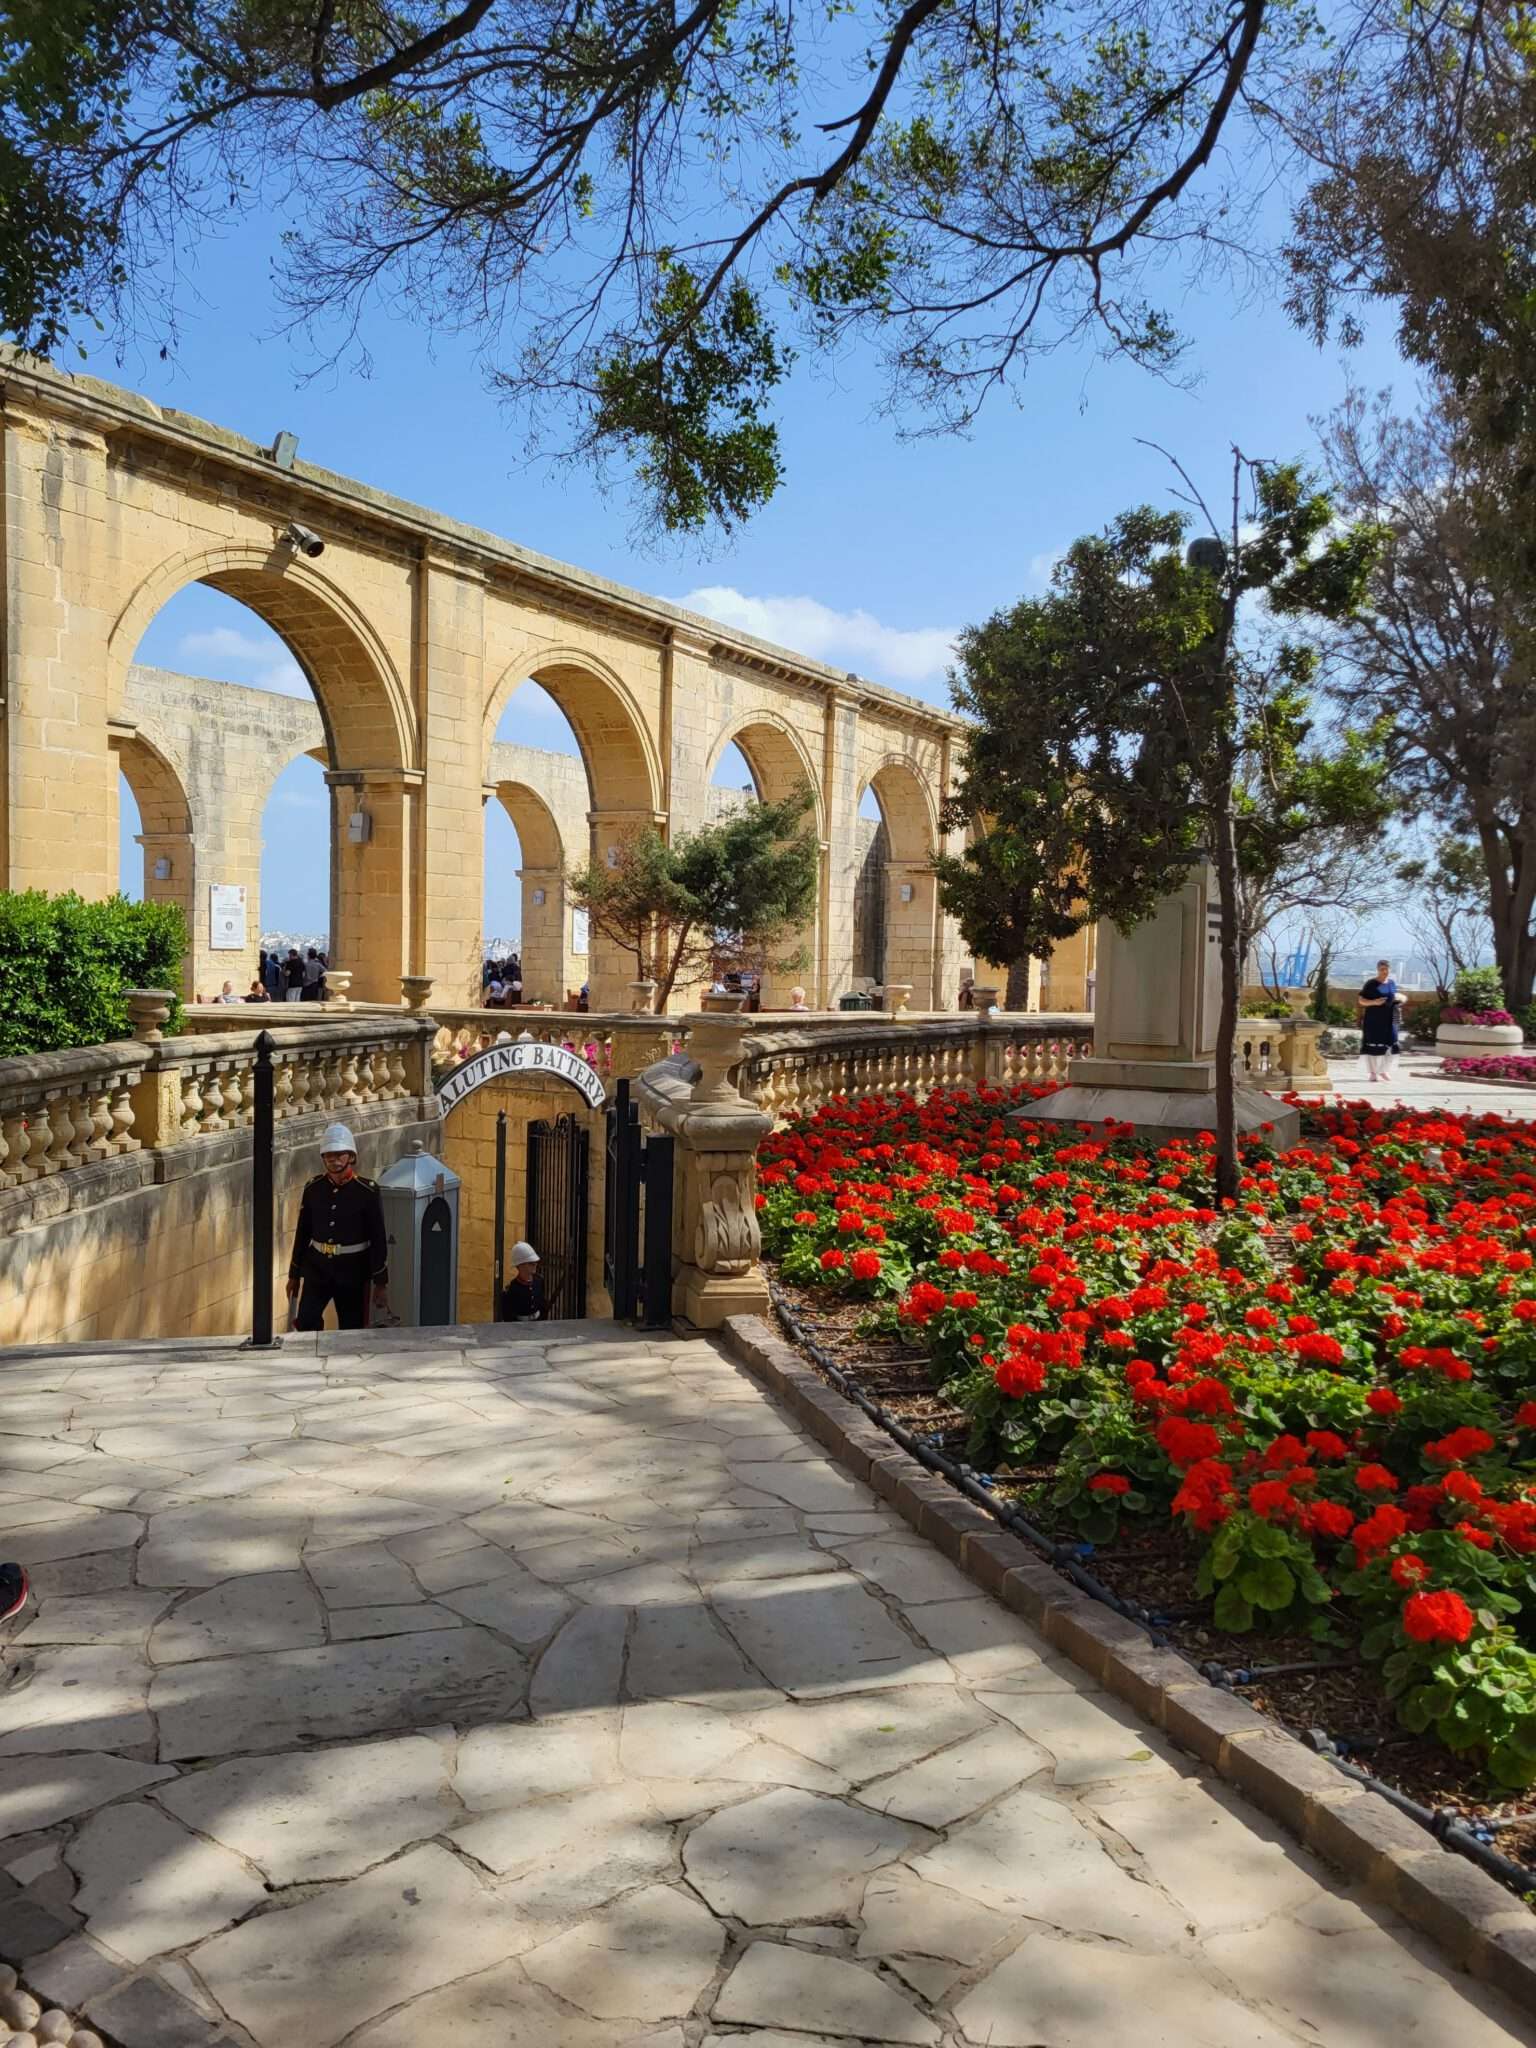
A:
(637, 1217)
(557, 1212)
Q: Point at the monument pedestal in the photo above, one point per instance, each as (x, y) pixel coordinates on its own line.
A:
(1153, 1065)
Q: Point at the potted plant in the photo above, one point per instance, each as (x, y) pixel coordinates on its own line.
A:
(1476, 1021)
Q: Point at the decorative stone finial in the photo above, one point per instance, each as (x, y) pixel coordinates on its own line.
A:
(338, 981)
(148, 1009)
(897, 996)
(642, 998)
(415, 988)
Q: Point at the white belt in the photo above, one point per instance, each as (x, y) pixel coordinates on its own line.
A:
(335, 1251)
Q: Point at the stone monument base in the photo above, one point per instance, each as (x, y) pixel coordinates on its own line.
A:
(1160, 1100)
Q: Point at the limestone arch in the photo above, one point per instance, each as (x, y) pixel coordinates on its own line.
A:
(365, 708)
(907, 808)
(167, 834)
(537, 828)
(779, 764)
(912, 939)
(777, 757)
(158, 790)
(547, 967)
(618, 752)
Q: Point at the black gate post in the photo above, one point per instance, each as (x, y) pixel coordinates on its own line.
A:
(656, 1258)
(621, 1203)
(261, 1338)
(499, 1245)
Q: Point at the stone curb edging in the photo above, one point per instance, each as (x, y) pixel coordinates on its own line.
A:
(1479, 1925)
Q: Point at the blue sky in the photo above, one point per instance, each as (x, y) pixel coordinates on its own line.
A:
(875, 551)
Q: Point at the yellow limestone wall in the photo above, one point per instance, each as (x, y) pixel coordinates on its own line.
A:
(169, 1259)
(469, 1147)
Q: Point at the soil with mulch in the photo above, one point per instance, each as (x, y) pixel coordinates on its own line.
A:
(1153, 1565)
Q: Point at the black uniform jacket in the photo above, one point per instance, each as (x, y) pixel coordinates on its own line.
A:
(349, 1214)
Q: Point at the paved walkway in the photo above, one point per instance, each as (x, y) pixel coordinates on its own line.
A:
(560, 1694)
(1418, 1082)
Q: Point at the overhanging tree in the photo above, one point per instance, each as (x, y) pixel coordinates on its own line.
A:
(735, 890)
(639, 207)
(1123, 726)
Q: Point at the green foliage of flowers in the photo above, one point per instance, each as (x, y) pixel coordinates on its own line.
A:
(1328, 1384)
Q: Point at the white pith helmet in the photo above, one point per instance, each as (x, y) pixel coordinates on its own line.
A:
(338, 1139)
(523, 1254)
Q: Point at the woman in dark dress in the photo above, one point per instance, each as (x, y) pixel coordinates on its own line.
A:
(1378, 1022)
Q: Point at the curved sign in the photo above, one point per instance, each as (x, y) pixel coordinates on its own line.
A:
(524, 1057)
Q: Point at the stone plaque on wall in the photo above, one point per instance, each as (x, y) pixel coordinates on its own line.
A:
(226, 917)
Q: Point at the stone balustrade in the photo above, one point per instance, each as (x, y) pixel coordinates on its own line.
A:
(1282, 1054)
(201, 1085)
(795, 1066)
(76, 1127)
(63, 1110)
(619, 1044)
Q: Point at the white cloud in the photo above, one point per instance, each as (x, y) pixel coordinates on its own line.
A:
(258, 659)
(1037, 577)
(854, 640)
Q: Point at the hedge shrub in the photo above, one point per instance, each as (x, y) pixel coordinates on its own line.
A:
(66, 967)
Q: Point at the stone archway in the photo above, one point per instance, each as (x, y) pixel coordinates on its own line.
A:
(912, 945)
(548, 965)
(167, 830)
(369, 732)
(779, 764)
(624, 778)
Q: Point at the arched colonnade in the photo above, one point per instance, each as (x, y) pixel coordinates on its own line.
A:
(413, 633)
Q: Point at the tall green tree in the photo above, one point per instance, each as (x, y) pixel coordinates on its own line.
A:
(734, 892)
(1445, 643)
(641, 208)
(1114, 720)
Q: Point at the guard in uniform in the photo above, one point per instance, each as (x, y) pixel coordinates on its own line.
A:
(340, 1250)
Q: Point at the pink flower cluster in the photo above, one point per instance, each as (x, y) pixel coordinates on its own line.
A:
(1513, 1066)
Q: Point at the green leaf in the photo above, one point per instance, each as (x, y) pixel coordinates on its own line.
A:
(1265, 1540)
(1232, 1611)
(1267, 1584)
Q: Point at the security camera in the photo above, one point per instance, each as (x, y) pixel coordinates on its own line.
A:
(303, 542)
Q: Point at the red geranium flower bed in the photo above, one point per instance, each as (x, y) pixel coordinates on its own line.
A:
(1329, 1387)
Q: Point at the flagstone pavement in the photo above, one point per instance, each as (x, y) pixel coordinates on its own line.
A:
(553, 1690)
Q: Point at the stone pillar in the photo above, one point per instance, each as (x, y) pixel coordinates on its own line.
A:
(544, 945)
(58, 774)
(176, 852)
(911, 928)
(444, 918)
(1064, 977)
(372, 877)
(716, 1244)
(1154, 1037)
(607, 968)
(840, 868)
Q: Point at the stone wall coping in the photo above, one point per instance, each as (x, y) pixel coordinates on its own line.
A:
(379, 1027)
(108, 408)
(1482, 1928)
(825, 1029)
(26, 1074)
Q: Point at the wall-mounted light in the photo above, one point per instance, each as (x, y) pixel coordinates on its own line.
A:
(162, 870)
(303, 540)
(359, 828)
(538, 898)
